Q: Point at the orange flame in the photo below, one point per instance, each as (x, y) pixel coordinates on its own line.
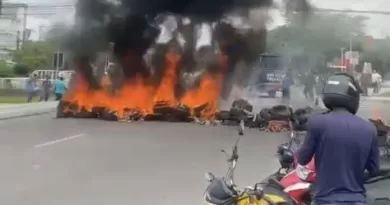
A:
(166, 90)
(140, 96)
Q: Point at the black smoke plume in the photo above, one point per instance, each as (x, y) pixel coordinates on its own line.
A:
(132, 27)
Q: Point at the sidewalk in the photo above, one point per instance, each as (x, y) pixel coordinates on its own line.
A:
(9, 111)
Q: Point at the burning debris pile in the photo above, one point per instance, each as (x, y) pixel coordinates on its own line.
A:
(169, 60)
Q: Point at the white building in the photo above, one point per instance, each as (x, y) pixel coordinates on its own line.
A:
(13, 30)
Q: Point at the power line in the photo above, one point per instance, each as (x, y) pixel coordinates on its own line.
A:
(351, 11)
(51, 6)
(37, 13)
(46, 9)
(12, 5)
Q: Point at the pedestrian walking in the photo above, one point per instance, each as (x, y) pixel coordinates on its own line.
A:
(319, 87)
(309, 83)
(31, 87)
(59, 88)
(287, 82)
(376, 79)
(46, 86)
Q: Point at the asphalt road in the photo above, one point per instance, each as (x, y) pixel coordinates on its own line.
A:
(92, 162)
(50, 161)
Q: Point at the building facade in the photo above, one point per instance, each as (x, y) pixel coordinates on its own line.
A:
(13, 30)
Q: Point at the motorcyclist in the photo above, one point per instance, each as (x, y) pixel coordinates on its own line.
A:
(343, 145)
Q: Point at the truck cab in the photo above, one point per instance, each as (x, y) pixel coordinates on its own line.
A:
(268, 75)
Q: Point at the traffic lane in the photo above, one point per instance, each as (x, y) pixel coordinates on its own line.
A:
(18, 139)
(22, 133)
(131, 161)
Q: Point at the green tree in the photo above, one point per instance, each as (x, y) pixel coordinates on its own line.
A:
(20, 70)
(34, 54)
(377, 52)
(318, 39)
(5, 69)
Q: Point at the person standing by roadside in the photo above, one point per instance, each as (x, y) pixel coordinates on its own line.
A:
(309, 84)
(45, 89)
(31, 87)
(59, 88)
(376, 80)
(287, 82)
(320, 82)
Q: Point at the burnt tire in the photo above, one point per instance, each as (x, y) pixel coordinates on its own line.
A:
(60, 110)
(281, 112)
(109, 116)
(223, 115)
(242, 104)
(265, 114)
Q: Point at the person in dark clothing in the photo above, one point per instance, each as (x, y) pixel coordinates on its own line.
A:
(342, 144)
(309, 84)
(46, 87)
(287, 82)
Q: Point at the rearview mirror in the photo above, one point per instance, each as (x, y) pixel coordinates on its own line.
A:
(209, 176)
(259, 192)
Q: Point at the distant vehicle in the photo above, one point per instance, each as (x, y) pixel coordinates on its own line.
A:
(267, 75)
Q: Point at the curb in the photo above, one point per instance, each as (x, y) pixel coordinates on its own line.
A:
(32, 111)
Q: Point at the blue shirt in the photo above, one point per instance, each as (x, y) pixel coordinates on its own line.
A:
(29, 85)
(343, 146)
(59, 87)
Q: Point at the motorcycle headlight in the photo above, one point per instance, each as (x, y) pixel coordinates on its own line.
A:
(302, 172)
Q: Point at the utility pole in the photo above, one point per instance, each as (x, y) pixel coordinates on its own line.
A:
(58, 60)
(18, 40)
(40, 33)
(342, 58)
(24, 24)
(350, 45)
(352, 67)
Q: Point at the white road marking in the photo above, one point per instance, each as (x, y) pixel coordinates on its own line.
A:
(58, 141)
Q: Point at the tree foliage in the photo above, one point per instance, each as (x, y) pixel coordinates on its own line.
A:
(319, 38)
(5, 69)
(34, 54)
(20, 70)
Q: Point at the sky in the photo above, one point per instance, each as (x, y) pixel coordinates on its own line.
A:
(377, 25)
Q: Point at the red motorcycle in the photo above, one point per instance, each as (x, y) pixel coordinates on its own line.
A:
(295, 179)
